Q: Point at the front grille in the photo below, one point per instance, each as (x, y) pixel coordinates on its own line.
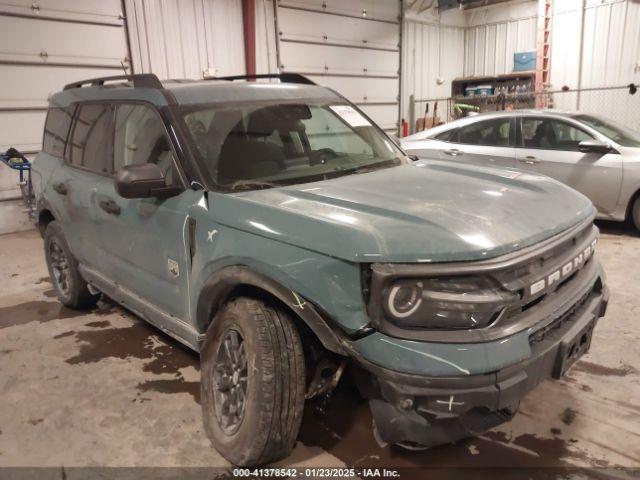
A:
(566, 318)
(540, 269)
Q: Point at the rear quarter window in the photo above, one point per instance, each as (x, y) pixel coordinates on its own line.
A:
(56, 131)
(494, 133)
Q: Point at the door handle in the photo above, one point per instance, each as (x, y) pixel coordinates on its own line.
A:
(454, 152)
(109, 206)
(60, 188)
(529, 160)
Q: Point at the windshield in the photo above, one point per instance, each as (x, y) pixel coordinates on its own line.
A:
(253, 146)
(618, 133)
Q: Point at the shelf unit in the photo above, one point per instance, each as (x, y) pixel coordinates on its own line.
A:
(511, 91)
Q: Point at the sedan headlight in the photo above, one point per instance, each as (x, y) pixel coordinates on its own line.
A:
(445, 303)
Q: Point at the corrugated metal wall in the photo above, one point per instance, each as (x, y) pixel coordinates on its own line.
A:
(606, 52)
(610, 44)
(184, 38)
(489, 49)
(430, 52)
(463, 43)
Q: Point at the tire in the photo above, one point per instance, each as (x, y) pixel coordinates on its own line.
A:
(70, 287)
(268, 420)
(635, 213)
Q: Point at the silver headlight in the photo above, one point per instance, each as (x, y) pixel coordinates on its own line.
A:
(445, 303)
(404, 299)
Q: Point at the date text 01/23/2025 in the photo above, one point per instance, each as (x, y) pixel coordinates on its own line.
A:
(315, 472)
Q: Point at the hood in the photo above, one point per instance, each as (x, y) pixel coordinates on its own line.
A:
(429, 211)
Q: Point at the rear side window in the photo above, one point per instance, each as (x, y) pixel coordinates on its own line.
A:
(447, 135)
(91, 138)
(493, 133)
(56, 130)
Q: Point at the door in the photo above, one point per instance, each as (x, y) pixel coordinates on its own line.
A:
(74, 186)
(550, 146)
(144, 240)
(486, 142)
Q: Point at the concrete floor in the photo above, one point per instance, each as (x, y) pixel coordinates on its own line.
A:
(102, 388)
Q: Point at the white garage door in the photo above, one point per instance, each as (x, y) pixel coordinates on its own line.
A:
(45, 44)
(352, 47)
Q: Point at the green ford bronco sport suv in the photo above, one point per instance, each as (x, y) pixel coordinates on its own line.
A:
(277, 231)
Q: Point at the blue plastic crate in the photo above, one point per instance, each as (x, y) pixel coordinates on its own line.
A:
(484, 90)
(524, 61)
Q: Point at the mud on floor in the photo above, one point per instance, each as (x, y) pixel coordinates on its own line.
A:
(162, 354)
(345, 431)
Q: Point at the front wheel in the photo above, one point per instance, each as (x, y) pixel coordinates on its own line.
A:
(253, 380)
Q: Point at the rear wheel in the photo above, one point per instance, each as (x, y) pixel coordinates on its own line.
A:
(70, 287)
(253, 382)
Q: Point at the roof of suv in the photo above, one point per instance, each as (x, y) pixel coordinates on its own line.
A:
(189, 92)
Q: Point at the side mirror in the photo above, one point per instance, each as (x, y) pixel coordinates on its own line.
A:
(594, 146)
(143, 181)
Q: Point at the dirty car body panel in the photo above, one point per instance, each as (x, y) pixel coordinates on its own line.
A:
(517, 247)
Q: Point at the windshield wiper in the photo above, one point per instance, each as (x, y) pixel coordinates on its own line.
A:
(251, 185)
(366, 169)
(373, 167)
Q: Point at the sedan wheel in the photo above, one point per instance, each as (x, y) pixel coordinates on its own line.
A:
(635, 213)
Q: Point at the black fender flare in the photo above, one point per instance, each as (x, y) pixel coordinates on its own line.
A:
(43, 204)
(218, 286)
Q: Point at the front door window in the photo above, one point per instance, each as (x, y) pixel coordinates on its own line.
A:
(140, 138)
(552, 134)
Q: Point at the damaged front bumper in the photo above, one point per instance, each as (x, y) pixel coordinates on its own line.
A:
(415, 410)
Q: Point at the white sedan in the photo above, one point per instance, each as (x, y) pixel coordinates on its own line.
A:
(595, 156)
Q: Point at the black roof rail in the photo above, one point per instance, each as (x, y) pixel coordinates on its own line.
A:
(284, 77)
(140, 80)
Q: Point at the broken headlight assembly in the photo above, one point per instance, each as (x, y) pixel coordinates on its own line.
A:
(449, 303)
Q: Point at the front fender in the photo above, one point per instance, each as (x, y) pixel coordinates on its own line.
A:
(219, 285)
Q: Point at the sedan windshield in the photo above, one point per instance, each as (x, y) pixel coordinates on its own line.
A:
(251, 146)
(618, 133)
